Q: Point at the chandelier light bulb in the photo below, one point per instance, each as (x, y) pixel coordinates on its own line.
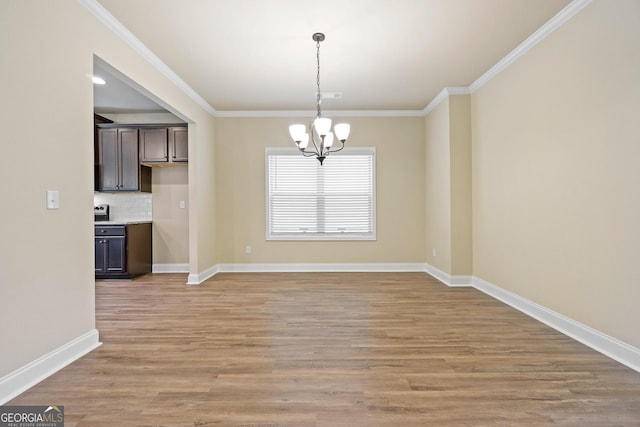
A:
(297, 131)
(342, 131)
(322, 125)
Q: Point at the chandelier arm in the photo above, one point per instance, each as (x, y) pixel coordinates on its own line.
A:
(313, 140)
(309, 153)
(336, 150)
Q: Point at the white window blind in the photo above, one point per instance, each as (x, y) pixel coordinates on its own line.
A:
(335, 201)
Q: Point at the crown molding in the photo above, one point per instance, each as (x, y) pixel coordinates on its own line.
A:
(444, 94)
(127, 36)
(312, 113)
(549, 27)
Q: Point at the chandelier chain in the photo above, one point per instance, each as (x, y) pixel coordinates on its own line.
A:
(318, 95)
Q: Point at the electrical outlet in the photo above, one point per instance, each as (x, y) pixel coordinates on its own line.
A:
(247, 249)
(434, 251)
(182, 204)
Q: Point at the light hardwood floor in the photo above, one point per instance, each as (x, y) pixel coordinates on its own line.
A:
(330, 349)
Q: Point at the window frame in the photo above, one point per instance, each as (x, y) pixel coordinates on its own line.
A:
(302, 236)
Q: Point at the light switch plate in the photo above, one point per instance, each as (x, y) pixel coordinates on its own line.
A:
(53, 199)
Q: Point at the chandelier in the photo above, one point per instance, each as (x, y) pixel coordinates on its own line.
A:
(319, 130)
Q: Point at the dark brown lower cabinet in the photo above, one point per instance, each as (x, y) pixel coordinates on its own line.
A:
(122, 251)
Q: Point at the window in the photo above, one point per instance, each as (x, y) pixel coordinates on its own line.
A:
(306, 201)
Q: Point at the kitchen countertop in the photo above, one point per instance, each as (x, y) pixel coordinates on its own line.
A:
(123, 222)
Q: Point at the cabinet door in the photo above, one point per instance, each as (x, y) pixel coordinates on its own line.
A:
(115, 258)
(129, 164)
(108, 169)
(153, 146)
(100, 255)
(179, 143)
(110, 255)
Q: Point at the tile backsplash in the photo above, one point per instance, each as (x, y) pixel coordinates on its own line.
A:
(126, 206)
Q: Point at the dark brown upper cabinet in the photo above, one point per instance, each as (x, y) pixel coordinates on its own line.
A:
(119, 167)
(179, 144)
(154, 146)
(164, 145)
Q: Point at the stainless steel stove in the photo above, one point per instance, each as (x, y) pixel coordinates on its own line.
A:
(101, 213)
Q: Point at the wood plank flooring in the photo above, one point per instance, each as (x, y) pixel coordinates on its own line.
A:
(330, 349)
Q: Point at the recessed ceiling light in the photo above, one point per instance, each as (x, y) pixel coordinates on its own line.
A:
(97, 80)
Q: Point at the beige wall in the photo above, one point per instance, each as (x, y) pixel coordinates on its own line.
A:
(241, 193)
(203, 234)
(170, 185)
(46, 256)
(438, 188)
(448, 186)
(556, 182)
(460, 157)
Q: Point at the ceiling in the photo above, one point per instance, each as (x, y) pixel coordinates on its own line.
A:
(118, 94)
(258, 55)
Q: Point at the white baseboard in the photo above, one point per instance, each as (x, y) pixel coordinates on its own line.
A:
(32, 373)
(197, 278)
(609, 346)
(170, 268)
(318, 268)
(448, 279)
